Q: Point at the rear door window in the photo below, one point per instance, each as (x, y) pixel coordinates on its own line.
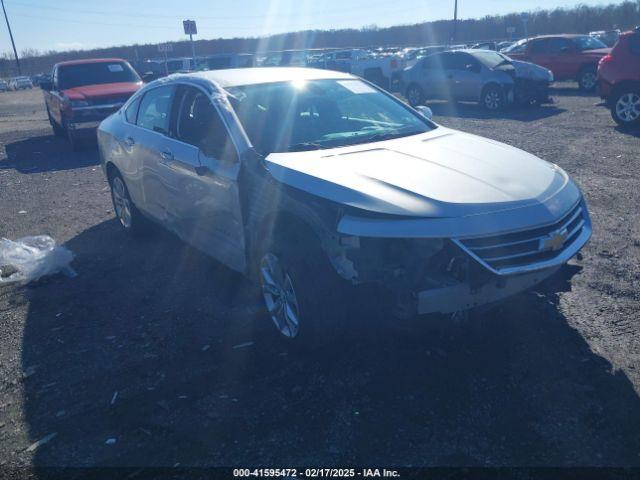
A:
(131, 112)
(154, 109)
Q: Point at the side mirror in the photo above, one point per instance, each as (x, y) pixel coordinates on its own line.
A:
(46, 85)
(471, 67)
(424, 111)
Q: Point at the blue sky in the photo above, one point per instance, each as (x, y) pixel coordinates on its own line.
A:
(71, 24)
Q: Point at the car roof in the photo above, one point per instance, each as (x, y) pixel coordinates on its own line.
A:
(89, 60)
(252, 76)
(560, 35)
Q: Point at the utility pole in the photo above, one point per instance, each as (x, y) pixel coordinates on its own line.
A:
(454, 36)
(13, 44)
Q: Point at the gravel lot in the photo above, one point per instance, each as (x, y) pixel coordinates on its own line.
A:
(150, 344)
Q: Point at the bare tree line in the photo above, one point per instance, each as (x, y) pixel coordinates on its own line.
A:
(580, 19)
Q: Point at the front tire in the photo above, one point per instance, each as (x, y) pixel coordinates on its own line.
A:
(415, 95)
(301, 291)
(625, 108)
(58, 131)
(588, 79)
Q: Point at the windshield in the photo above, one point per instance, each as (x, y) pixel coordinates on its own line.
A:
(490, 59)
(588, 43)
(309, 115)
(71, 76)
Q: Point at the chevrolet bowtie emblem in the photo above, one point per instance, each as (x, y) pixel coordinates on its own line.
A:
(554, 241)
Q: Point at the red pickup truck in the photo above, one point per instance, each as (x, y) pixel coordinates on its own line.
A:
(82, 93)
(569, 57)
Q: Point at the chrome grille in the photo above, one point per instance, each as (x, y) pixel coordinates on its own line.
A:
(528, 249)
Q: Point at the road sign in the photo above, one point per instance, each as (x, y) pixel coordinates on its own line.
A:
(511, 29)
(190, 27)
(165, 47)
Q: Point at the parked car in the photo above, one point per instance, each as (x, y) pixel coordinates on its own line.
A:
(490, 78)
(20, 83)
(4, 86)
(619, 79)
(84, 92)
(39, 78)
(383, 70)
(311, 181)
(569, 57)
(608, 37)
(485, 46)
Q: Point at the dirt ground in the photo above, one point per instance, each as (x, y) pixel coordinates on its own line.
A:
(164, 351)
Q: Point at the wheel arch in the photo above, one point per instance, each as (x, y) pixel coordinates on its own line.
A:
(625, 84)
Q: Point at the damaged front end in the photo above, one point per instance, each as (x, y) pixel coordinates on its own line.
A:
(425, 275)
(531, 83)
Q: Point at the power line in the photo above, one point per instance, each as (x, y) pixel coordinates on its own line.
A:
(13, 44)
(341, 12)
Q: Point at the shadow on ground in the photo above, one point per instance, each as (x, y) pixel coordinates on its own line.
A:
(47, 153)
(150, 345)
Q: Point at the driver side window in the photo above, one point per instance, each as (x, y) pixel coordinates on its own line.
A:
(198, 123)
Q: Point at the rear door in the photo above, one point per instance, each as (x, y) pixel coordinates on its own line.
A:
(150, 140)
(199, 174)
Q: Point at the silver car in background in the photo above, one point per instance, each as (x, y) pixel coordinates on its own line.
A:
(488, 77)
(311, 181)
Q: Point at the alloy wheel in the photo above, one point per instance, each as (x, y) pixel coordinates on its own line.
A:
(492, 100)
(279, 296)
(413, 95)
(628, 107)
(588, 80)
(121, 202)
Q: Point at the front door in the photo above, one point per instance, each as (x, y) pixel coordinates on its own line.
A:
(200, 172)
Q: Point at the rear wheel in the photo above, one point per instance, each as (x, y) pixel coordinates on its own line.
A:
(492, 98)
(415, 95)
(126, 212)
(625, 108)
(588, 79)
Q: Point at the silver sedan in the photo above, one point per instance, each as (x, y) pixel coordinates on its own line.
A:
(313, 182)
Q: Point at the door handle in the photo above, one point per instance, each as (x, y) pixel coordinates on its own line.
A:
(166, 155)
(129, 142)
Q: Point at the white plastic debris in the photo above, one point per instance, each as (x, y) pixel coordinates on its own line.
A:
(42, 441)
(30, 258)
(111, 441)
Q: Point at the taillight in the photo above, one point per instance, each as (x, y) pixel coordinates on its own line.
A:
(606, 58)
(394, 63)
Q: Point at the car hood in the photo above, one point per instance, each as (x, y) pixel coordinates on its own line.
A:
(442, 173)
(104, 90)
(531, 71)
